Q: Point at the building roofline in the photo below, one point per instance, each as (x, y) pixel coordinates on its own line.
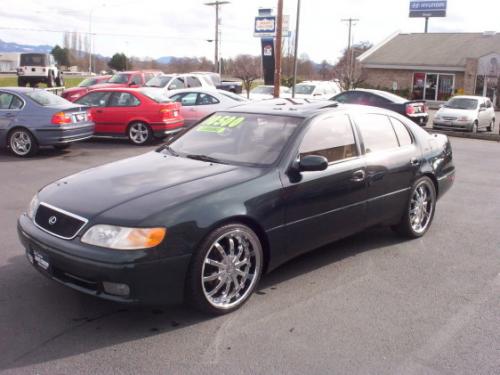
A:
(366, 54)
(416, 67)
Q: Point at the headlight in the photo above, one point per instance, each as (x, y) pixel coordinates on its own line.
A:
(122, 238)
(33, 207)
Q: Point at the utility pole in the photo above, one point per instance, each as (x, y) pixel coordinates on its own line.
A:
(296, 49)
(216, 54)
(426, 24)
(279, 34)
(350, 54)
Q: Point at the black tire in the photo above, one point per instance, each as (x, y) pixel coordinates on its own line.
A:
(474, 127)
(199, 269)
(140, 133)
(60, 80)
(21, 82)
(405, 226)
(22, 143)
(491, 126)
(62, 147)
(50, 79)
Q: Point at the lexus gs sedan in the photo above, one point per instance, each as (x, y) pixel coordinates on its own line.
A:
(201, 218)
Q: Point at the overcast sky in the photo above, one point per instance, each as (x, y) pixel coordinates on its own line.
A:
(181, 27)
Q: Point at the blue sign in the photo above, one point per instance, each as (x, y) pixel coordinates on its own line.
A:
(428, 8)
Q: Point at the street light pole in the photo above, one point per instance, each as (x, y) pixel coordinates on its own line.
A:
(216, 54)
(296, 48)
(90, 41)
(350, 54)
(279, 34)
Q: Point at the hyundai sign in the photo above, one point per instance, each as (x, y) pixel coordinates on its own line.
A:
(265, 27)
(428, 8)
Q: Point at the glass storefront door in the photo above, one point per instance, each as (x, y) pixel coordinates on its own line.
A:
(431, 81)
(432, 86)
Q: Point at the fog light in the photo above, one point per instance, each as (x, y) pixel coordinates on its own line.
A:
(116, 288)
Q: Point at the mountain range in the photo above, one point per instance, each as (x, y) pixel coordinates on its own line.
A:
(15, 47)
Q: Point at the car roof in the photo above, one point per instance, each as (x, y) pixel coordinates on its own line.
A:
(20, 89)
(385, 94)
(469, 97)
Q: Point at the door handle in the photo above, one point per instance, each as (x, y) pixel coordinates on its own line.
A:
(358, 176)
(415, 162)
(99, 111)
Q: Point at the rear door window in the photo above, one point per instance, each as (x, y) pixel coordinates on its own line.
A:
(94, 99)
(123, 99)
(331, 137)
(177, 83)
(377, 132)
(5, 100)
(193, 82)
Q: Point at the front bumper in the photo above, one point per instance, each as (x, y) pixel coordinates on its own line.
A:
(453, 125)
(54, 134)
(151, 281)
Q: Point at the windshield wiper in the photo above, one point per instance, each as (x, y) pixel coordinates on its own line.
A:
(205, 158)
(169, 149)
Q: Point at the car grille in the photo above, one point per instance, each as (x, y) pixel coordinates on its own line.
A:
(449, 118)
(58, 222)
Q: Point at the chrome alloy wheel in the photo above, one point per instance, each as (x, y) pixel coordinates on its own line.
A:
(230, 269)
(20, 143)
(139, 133)
(421, 207)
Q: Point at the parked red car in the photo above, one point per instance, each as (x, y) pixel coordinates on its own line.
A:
(74, 93)
(134, 78)
(140, 114)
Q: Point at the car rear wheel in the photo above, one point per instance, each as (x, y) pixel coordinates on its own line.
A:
(225, 270)
(22, 143)
(140, 133)
(50, 80)
(491, 125)
(420, 209)
(21, 82)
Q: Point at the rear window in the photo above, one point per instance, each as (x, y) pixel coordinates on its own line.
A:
(159, 81)
(45, 98)
(33, 59)
(232, 96)
(87, 82)
(392, 97)
(158, 96)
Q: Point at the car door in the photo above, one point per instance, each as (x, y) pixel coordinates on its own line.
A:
(188, 108)
(323, 206)
(392, 163)
(119, 110)
(97, 101)
(10, 107)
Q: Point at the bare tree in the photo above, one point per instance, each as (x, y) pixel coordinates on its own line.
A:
(247, 68)
(342, 69)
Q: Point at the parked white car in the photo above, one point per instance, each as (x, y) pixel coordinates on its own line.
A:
(321, 90)
(469, 113)
(264, 92)
(181, 81)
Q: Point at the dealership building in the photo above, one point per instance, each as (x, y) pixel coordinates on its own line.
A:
(435, 66)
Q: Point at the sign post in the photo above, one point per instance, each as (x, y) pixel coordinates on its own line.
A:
(426, 9)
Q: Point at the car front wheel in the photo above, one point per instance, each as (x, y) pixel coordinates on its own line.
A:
(420, 209)
(22, 143)
(140, 133)
(225, 270)
(491, 125)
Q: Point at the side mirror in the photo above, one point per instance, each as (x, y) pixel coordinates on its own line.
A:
(310, 163)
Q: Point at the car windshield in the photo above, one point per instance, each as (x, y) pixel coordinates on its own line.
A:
(33, 59)
(159, 81)
(304, 89)
(45, 98)
(87, 82)
(236, 138)
(462, 103)
(158, 96)
(119, 78)
(263, 90)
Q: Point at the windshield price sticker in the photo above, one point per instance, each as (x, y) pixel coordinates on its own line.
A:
(217, 123)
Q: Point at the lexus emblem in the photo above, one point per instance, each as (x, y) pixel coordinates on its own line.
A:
(52, 220)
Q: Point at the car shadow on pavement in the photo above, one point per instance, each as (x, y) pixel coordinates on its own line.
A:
(51, 322)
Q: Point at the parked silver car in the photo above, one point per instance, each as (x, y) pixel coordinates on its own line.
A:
(199, 103)
(469, 113)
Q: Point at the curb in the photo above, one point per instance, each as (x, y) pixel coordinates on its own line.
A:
(484, 137)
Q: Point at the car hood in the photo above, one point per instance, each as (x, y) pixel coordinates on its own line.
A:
(453, 112)
(94, 191)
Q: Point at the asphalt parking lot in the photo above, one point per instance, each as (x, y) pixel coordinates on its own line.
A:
(372, 303)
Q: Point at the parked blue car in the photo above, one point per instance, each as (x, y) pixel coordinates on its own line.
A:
(30, 118)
